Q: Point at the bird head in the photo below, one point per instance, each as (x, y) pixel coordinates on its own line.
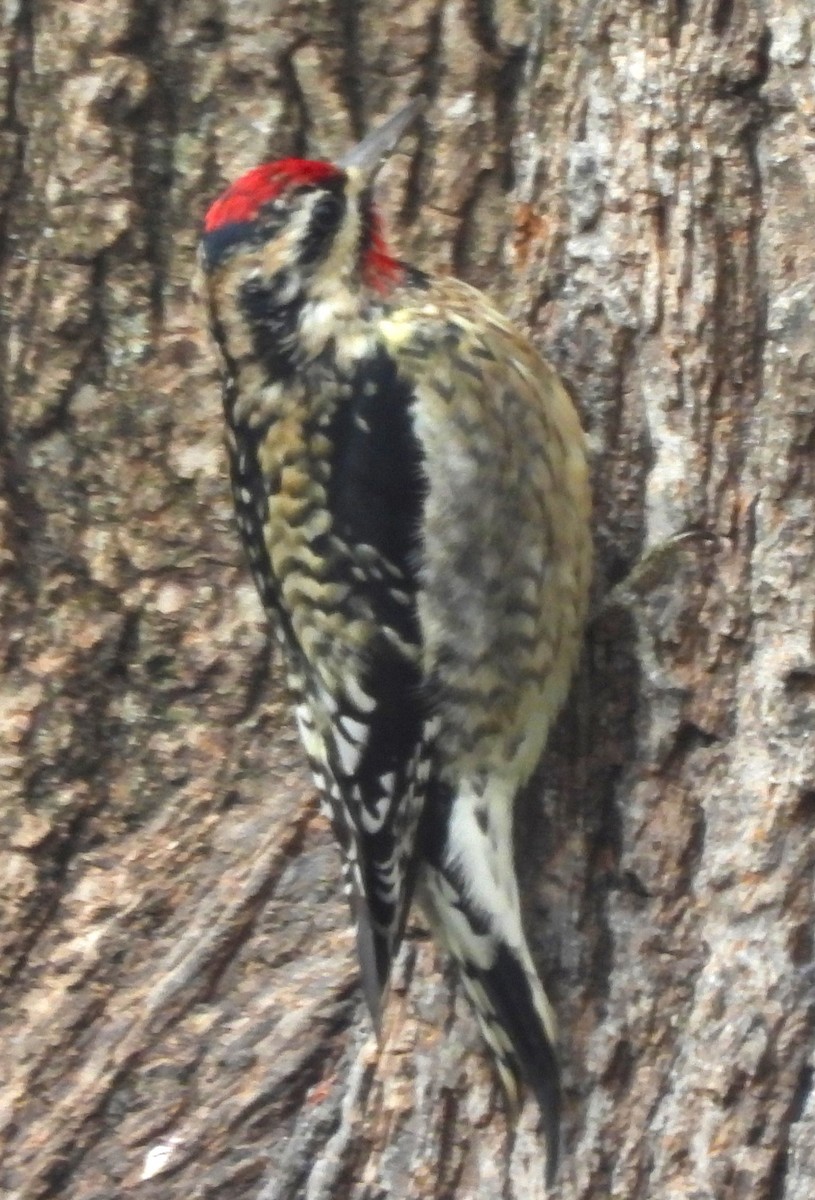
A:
(300, 221)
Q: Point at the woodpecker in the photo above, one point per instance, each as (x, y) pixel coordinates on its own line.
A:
(411, 488)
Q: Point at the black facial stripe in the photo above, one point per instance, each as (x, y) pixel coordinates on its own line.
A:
(219, 242)
(326, 217)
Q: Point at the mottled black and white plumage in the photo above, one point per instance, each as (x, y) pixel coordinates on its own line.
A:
(410, 484)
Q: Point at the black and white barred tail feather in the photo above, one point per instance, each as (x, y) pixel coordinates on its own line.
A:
(469, 893)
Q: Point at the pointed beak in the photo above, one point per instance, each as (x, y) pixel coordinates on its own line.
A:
(375, 147)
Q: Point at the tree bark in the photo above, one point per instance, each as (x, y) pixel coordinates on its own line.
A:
(181, 1015)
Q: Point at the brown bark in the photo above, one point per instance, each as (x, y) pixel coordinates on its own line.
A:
(181, 1016)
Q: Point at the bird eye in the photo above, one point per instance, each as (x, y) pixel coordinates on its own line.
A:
(325, 216)
(326, 213)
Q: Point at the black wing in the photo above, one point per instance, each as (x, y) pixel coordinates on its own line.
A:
(374, 737)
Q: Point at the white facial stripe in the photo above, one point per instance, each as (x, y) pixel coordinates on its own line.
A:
(346, 240)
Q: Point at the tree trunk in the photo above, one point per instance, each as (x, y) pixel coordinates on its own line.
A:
(635, 183)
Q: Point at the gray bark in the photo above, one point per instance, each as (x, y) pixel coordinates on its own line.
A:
(181, 1016)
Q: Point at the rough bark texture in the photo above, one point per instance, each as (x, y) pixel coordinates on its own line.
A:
(635, 182)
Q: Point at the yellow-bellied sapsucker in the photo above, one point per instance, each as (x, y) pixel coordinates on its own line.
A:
(411, 487)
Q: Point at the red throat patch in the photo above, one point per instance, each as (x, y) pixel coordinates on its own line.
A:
(244, 199)
(380, 270)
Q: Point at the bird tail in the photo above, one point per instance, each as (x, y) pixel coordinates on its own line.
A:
(470, 895)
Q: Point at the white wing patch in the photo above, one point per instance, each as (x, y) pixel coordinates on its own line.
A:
(354, 730)
(390, 875)
(348, 752)
(373, 819)
(360, 699)
(312, 743)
